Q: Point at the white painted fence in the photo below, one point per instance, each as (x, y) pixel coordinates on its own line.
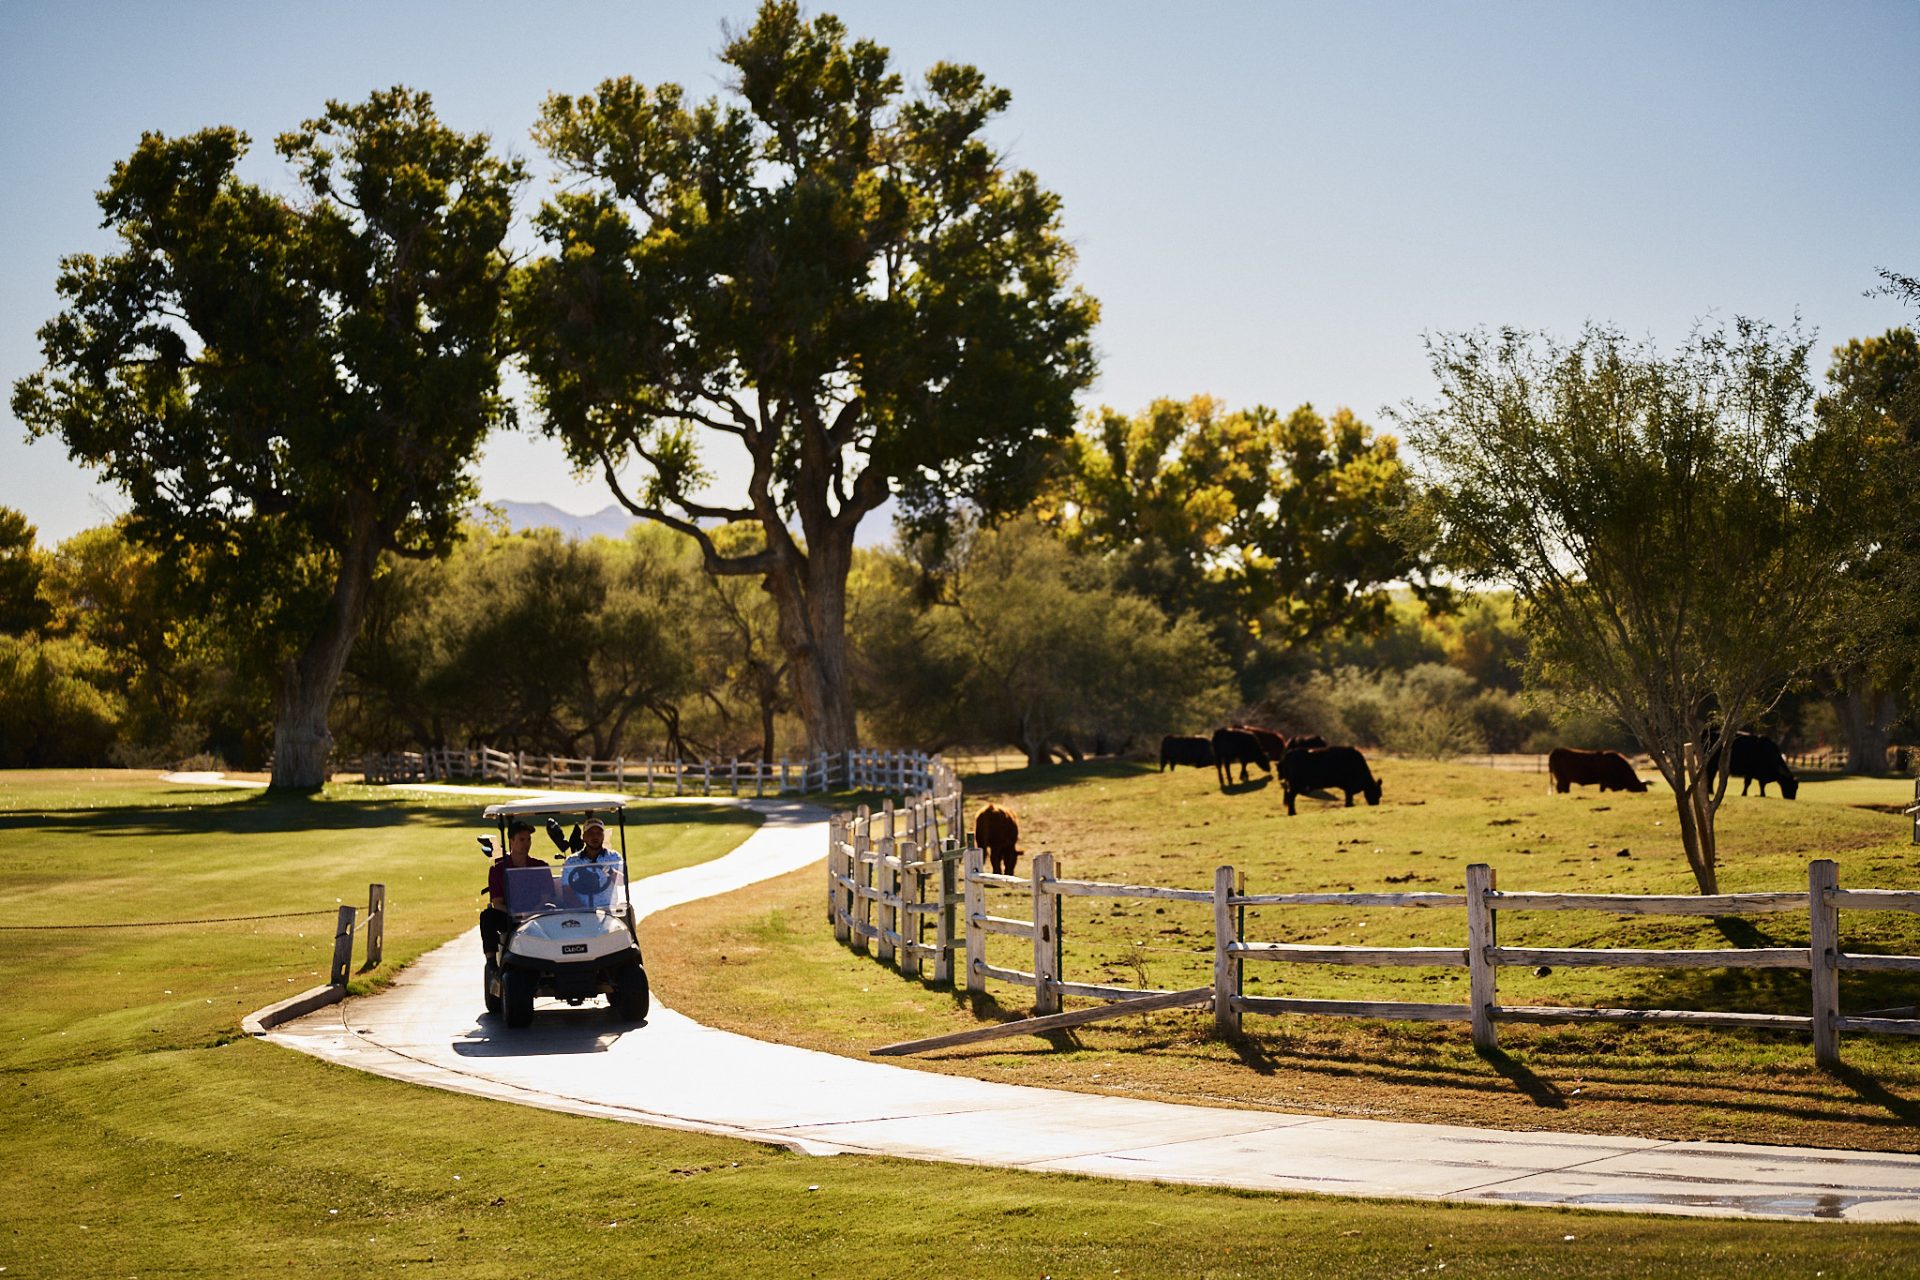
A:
(901, 771)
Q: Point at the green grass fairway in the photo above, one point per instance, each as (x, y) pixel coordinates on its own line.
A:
(784, 978)
(141, 1137)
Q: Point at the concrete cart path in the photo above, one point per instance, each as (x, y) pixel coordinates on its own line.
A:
(428, 1028)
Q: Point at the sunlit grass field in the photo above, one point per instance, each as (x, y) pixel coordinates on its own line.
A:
(784, 978)
(142, 1135)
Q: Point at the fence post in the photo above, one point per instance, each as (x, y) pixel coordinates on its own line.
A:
(1226, 965)
(974, 910)
(1480, 968)
(1046, 937)
(342, 947)
(943, 918)
(376, 922)
(913, 892)
(1823, 941)
(862, 875)
(519, 766)
(836, 836)
(887, 880)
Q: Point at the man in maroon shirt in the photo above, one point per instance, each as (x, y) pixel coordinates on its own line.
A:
(494, 919)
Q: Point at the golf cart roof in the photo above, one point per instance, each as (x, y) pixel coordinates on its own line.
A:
(562, 802)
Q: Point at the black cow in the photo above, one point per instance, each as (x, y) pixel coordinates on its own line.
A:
(1758, 759)
(1236, 746)
(1176, 749)
(1609, 770)
(1328, 769)
(1306, 740)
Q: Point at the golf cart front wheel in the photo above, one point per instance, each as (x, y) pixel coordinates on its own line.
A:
(517, 988)
(489, 994)
(630, 998)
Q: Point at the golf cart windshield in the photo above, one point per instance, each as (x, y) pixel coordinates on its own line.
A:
(578, 884)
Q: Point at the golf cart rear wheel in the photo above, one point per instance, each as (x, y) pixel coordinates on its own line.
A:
(517, 987)
(487, 979)
(630, 998)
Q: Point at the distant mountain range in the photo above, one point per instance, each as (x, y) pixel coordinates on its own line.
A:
(613, 521)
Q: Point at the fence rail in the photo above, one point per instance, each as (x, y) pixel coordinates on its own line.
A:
(896, 875)
(902, 771)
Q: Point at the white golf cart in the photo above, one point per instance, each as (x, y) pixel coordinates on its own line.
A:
(573, 935)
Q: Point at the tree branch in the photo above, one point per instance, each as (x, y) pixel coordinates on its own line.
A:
(760, 562)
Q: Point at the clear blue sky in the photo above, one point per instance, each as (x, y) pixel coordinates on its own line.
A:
(1273, 202)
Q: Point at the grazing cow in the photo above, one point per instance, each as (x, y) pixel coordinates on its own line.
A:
(1236, 746)
(1608, 770)
(1306, 740)
(1758, 759)
(1270, 742)
(998, 832)
(1328, 769)
(1195, 751)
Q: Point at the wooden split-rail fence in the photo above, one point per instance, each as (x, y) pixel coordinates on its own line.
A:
(901, 771)
(894, 878)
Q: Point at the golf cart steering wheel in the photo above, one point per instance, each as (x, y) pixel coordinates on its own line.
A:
(589, 881)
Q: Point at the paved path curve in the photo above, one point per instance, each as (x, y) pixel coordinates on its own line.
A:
(676, 1073)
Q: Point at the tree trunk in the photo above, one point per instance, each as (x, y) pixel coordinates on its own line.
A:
(301, 742)
(1695, 806)
(1864, 713)
(812, 603)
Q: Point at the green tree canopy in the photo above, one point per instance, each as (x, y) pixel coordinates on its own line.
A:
(1873, 393)
(1066, 663)
(1270, 527)
(837, 279)
(1673, 525)
(21, 569)
(528, 641)
(289, 386)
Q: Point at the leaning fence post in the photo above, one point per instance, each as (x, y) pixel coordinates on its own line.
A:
(1480, 967)
(1823, 953)
(376, 922)
(1226, 965)
(1046, 938)
(974, 912)
(342, 947)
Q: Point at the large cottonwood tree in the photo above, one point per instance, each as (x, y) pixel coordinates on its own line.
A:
(290, 385)
(834, 277)
(1674, 526)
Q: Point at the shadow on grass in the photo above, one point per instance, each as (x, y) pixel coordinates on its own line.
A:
(217, 813)
(1247, 787)
(1014, 782)
(263, 812)
(1542, 1092)
(1876, 1094)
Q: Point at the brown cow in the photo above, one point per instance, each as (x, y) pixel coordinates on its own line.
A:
(1270, 742)
(1608, 770)
(998, 832)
